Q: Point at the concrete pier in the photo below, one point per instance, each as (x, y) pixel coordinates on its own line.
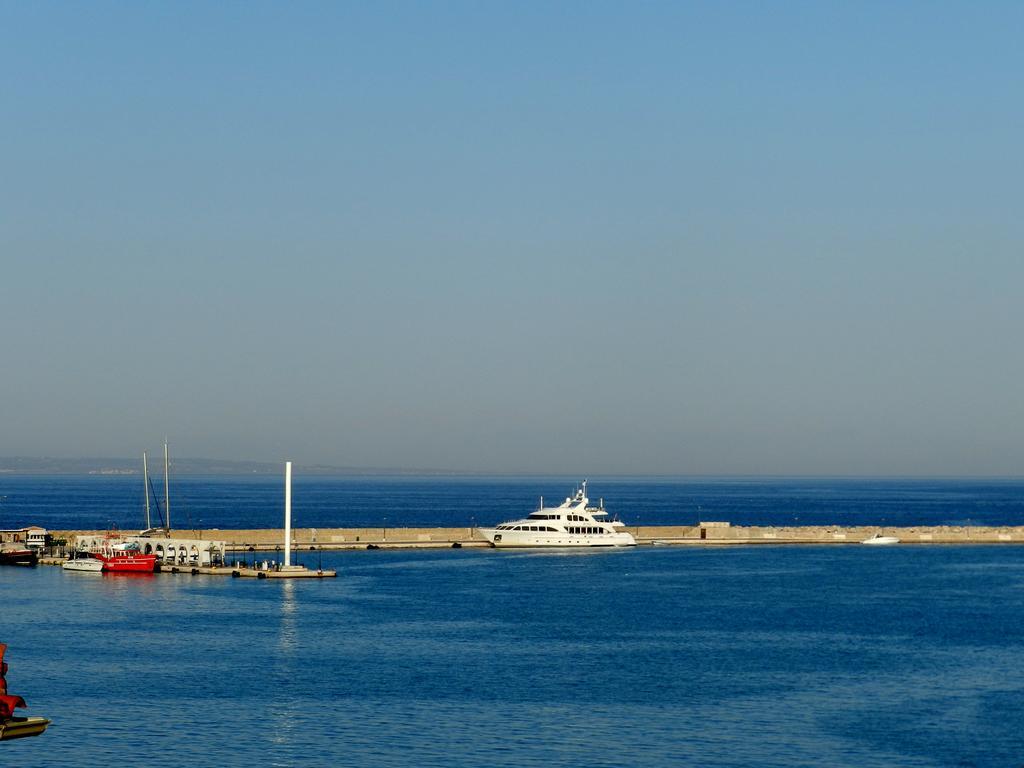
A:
(306, 540)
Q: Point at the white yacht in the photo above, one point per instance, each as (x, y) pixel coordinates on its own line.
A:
(879, 540)
(570, 524)
(90, 564)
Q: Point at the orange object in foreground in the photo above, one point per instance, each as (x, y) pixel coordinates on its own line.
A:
(12, 727)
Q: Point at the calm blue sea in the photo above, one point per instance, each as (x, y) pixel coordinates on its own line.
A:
(95, 502)
(759, 656)
(909, 656)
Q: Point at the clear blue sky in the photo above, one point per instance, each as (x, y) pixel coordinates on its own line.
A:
(590, 237)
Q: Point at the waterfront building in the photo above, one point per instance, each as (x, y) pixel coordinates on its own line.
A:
(32, 536)
(168, 550)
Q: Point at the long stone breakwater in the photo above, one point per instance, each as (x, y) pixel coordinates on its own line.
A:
(702, 534)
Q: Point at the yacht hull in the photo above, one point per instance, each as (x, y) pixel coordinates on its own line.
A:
(531, 539)
(128, 563)
(22, 727)
(19, 557)
(86, 564)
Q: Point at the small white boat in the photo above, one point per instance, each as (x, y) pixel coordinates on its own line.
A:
(90, 564)
(879, 540)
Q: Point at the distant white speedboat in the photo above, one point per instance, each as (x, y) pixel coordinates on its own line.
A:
(570, 524)
(879, 540)
(90, 564)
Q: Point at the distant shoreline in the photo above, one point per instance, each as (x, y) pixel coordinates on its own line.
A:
(114, 467)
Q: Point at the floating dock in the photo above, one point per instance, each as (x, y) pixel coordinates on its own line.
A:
(290, 573)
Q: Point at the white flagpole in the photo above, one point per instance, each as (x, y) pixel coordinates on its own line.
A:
(287, 514)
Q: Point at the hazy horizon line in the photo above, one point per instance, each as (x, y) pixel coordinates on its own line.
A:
(122, 466)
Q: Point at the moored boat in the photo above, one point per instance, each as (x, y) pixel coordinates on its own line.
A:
(12, 727)
(119, 556)
(18, 556)
(571, 524)
(879, 540)
(88, 564)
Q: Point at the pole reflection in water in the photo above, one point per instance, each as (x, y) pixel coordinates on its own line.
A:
(284, 711)
(289, 613)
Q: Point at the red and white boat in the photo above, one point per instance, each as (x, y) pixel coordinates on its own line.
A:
(120, 556)
(13, 555)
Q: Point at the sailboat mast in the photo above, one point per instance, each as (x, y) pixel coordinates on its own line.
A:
(145, 483)
(167, 492)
